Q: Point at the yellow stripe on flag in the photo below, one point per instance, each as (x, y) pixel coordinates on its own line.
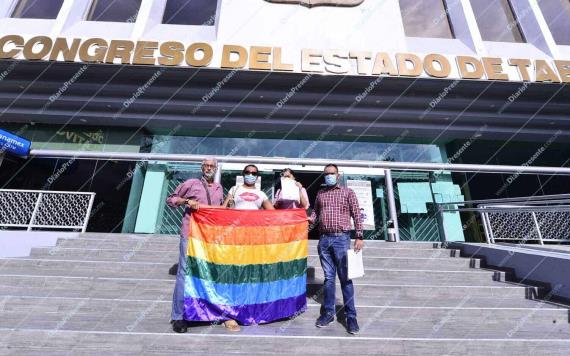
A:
(247, 254)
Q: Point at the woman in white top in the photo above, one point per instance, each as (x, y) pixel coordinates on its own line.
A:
(247, 196)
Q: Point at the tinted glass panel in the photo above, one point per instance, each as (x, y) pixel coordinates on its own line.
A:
(557, 15)
(37, 9)
(496, 21)
(114, 10)
(190, 12)
(376, 151)
(426, 18)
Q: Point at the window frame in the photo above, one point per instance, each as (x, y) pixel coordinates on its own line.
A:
(553, 34)
(447, 16)
(517, 25)
(20, 5)
(91, 11)
(216, 14)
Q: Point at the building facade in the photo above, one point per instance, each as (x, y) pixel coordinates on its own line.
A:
(439, 81)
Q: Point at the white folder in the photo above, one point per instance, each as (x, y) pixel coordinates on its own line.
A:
(355, 264)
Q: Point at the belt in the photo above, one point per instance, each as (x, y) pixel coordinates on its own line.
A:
(335, 233)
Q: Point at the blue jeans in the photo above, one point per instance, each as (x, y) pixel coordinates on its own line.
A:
(332, 253)
(178, 295)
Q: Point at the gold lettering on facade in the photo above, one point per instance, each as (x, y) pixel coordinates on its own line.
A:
(278, 61)
(545, 73)
(99, 47)
(402, 60)
(336, 61)
(120, 49)
(171, 53)
(32, 53)
(16, 41)
(362, 58)
(259, 58)
(61, 46)
(144, 53)
(564, 70)
(470, 67)
(267, 58)
(444, 69)
(207, 54)
(522, 66)
(311, 61)
(239, 51)
(383, 64)
(494, 68)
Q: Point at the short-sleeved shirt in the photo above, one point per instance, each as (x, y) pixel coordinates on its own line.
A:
(194, 189)
(248, 199)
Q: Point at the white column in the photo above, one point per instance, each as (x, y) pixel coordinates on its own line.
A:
(473, 29)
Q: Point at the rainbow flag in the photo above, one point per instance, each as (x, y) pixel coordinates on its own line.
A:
(246, 265)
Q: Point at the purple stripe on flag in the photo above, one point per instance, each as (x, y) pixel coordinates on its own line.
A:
(201, 310)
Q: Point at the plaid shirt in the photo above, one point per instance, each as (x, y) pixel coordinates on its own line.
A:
(333, 209)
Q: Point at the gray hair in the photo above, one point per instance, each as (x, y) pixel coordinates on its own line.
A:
(210, 159)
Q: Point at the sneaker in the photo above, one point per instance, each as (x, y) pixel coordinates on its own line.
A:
(179, 326)
(324, 320)
(352, 326)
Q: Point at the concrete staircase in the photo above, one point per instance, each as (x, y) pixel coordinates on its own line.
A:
(109, 293)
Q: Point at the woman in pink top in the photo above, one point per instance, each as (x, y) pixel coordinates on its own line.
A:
(281, 203)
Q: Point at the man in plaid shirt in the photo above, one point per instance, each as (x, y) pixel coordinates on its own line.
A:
(334, 206)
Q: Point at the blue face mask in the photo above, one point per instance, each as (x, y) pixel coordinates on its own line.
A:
(330, 180)
(249, 179)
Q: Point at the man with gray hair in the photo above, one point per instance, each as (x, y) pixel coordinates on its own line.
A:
(193, 194)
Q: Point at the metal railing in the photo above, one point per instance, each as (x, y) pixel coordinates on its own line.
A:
(45, 209)
(385, 166)
(540, 218)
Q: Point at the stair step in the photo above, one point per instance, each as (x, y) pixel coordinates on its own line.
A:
(159, 271)
(146, 255)
(366, 293)
(153, 316)
(163, 243)
(24, 341)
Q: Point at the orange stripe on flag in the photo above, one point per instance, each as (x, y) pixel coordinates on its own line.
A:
(248, 235)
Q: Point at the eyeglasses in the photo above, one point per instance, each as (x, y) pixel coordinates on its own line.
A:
(251, 172)
(209, 165)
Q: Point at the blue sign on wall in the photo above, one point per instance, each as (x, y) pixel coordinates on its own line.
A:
(13, 144)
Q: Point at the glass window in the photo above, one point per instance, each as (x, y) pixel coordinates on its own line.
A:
(37, 9)
(426, 18)
(496, 21)
(222, 146)
(114, 10)
(557, 15)
(190, 12)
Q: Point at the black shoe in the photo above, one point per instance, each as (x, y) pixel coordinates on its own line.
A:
(173, 271)
(179, 326)
(324, 320)
(352, 326)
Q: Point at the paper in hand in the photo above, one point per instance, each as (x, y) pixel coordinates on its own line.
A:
(355, 264)
(289, 190)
